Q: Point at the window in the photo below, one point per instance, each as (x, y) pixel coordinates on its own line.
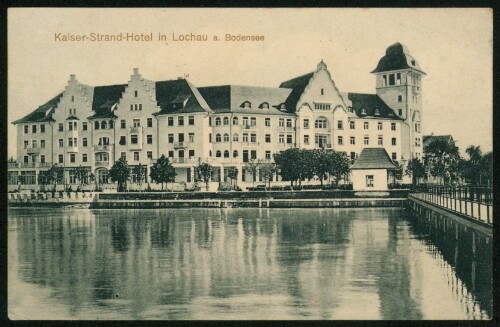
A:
(353, 140)
(191, 153)
(181, 137)
(136, 122)
(26, 144)
(247, 104)
(267, 122)
(340, 140)
(268, 155)
(391, 79)
(253, 138)
(321, 106)
(210, 138)
(253, 154)
(379, 126)
(380, 140)
(377, 112)
(400, 98)
(393, 126)
(320, 123)
(384, 77)
(209, 121)
(84, 157)
(84, 126)
(245, 159)
(123, 140)
(289, 139)
(170, 121)
(366, 140)
(26, 129)
(218, 154)
(191, 137)
(42, 128)
(104, 141)
(33, 144)
(70, 141)
(366, 125)
(264, 105)
(149, 154)
(322, 91)
(235, 153)
(281, 138)
(191, 120)
(84, 141)
(135, 94)
(123, 123)
(217, 121)
(268, 138)
(226, 137)
(96, 125)
(134, 139)
(72, 98)
(400, 112)
(42, 158)
(72, 157)
(33, 129)
(281, 122)
(170, 154)
(136, 156)
(253, 121)
(353, 155)
(369, 179)
(150, 122)
(245, 137)
(123, 155)
(288, 122)
(61, 158)
(340, 124)
(42, 144)
(235, 121)
(104, 125)
(352, 125)
(235, 137)
(393, 141)
(111, 124)
(61, 127)
(218, 138)
(131, 107)
(149, 139)
(170, 138)
(306, 123)
(394, 156)
(61, 143)
(306, 139)
(26, 158)
(225, 121)
(226, 154)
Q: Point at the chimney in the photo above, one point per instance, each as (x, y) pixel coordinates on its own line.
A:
(72, 77)
(136, 71)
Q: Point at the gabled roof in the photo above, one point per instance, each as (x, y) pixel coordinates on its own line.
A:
(374, 158)
(229, 98)
(298, 85)
(72, 117)
(397, 57)
(428, 139)
(105, 97)
(179, 96)
(42, 113)
(370, 102)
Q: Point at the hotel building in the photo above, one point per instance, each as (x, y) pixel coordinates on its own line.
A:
(226, 126)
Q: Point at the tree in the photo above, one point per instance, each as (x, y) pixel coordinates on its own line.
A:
(321, 162)
(120, 173)
(81, 174)
(267, 170)
(12, 160)
(43, 179)
(162, 171)
(293, 164)
(139, 172)
(486, 168)
(252, 166)
(93, 179)
(232, 173)
(54, 175)
(471, 167)
(204, 173)
(442, 160)
(416, 170)
(339, 166)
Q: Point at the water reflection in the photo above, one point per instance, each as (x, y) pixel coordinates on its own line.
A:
(230, 264)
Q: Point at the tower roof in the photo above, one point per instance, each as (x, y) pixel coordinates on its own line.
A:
(374, 158)
(397, 57)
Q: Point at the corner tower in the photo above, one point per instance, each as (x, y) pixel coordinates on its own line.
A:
(398, 83)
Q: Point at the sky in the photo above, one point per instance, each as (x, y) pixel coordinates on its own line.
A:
(453, 46)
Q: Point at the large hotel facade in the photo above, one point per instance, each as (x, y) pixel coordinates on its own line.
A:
(226, 126)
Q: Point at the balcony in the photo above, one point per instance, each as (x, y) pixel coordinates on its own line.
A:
(98, 164)
(416, 89)
(250, 143)
(249, 126)
(33, 150)
(180, 145)
(102, 148)
(72, 149)
(137, 129)
(286, 128)
(180, 160)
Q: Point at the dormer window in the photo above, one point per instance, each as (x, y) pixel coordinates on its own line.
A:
(377, 112)
(246, 105)
(349, 109)
(264, 105)
(283, 107)
(363, 111)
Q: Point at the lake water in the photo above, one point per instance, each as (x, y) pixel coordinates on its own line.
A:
(232, 264)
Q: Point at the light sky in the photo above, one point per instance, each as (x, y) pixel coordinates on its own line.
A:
(453, 46)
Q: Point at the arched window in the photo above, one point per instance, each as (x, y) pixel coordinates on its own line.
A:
(226, 137)
(96, 125)
(235, 120)
(218, 154)
(235, 153)
(111, 124)
(246, 104)
(104, 125)
(217, 121)
(225, 121)
(226, 154)
(264, 105)
(320, 123)
(217, 138)
(235, 137)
